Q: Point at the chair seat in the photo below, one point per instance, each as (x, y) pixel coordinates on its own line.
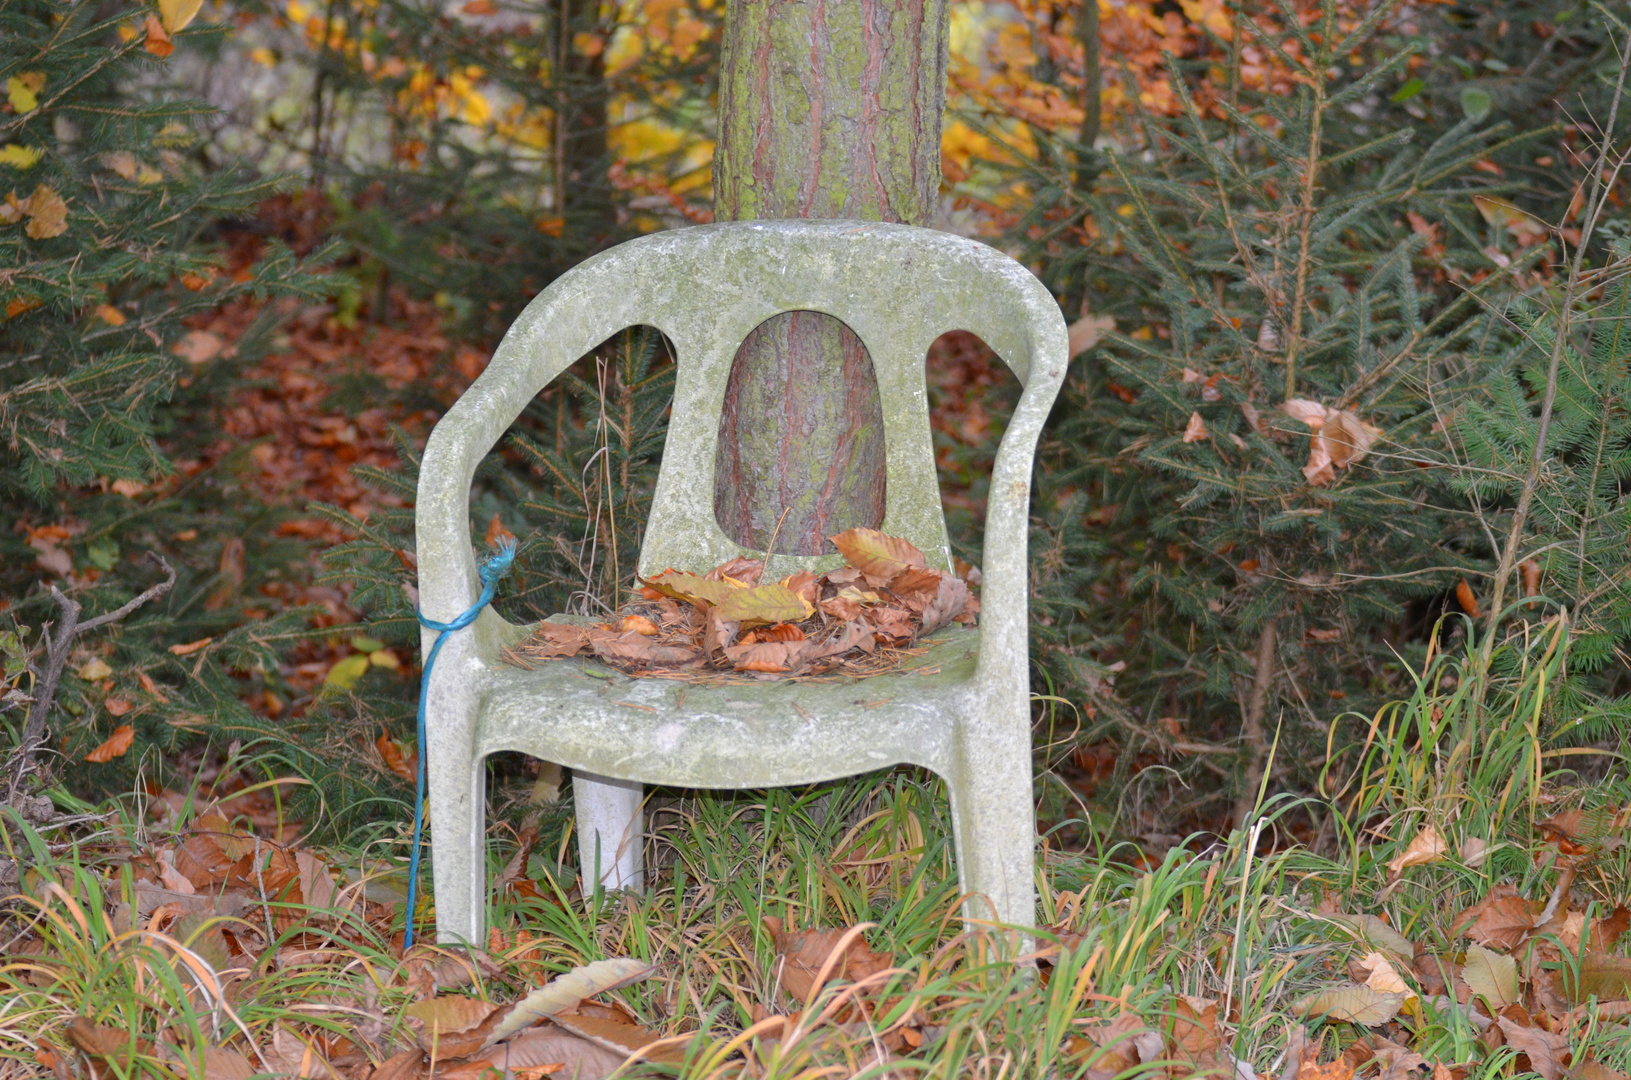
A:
(581, 714)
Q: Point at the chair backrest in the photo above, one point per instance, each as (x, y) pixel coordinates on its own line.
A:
(707, 287)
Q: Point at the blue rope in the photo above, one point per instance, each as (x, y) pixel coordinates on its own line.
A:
(491, 571)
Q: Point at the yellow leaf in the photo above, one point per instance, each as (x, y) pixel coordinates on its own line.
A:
(23, 91)
(1491, 976)
(176, 14)
(110, 314)
(19, 157)
(47, 214)
(773, 603)
(384, 658)
(690, 588)
(95, 669)
(128, 32)
(345, 674)
(263, 56)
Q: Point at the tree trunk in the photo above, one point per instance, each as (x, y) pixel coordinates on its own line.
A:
(826, 110)
(581, 149)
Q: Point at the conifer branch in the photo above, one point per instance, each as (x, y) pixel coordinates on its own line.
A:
(1560, 340)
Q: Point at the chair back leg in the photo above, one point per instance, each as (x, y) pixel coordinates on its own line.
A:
(610, 827)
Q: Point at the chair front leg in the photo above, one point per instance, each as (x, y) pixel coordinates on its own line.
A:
(458, 833)
(610, 830)
(993, 815)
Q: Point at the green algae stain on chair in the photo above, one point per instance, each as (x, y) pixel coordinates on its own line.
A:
(961, 710)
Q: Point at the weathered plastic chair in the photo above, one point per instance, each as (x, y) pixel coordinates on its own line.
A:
(961, 710)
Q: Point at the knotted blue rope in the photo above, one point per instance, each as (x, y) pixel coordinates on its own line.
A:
(491, 572)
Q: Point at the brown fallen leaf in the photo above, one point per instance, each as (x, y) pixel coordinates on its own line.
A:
(766, 656)
(1604, 976)
(856, 634)
(1330, 1070)
(201, 861)
(1547, 1051)
(801, 956)
(224, 1063)
(1354, 1003)
(1502, 920)
(1195, 431)
(292, 1056)
(540, 1049)
(619, 1036)
(947, 604)
(1592, 1069)
(741, 570)
(1606, 932)
(1466, 598)
(116, 745)
(1111, 1047)
(806, 584)
(158, 42)
(1194, 1032)
(391, 753)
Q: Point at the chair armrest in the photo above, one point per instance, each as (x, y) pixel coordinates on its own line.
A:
(1005, 564)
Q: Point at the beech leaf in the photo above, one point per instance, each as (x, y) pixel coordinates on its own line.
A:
(1351, 1002)
(877, 554)
(1491, 976)
(565, 991)
(691, 588)
(760, 604)
(116, 745)
(1427, 847)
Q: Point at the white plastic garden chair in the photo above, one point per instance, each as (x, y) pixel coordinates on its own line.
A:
(961, 710)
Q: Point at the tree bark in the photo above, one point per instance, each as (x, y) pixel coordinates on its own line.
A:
(581, 147)
(827, 110)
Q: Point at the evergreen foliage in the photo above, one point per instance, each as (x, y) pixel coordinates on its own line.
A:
(107, 236)
(1317, 241)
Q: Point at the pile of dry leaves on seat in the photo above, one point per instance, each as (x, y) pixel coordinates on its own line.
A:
(856, 620)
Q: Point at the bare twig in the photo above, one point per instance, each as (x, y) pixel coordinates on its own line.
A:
(59, 643)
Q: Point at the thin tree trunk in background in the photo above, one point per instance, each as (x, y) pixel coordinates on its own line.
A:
(581, 149)
(1255, 743)
(1087, 30)
(826, 110)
